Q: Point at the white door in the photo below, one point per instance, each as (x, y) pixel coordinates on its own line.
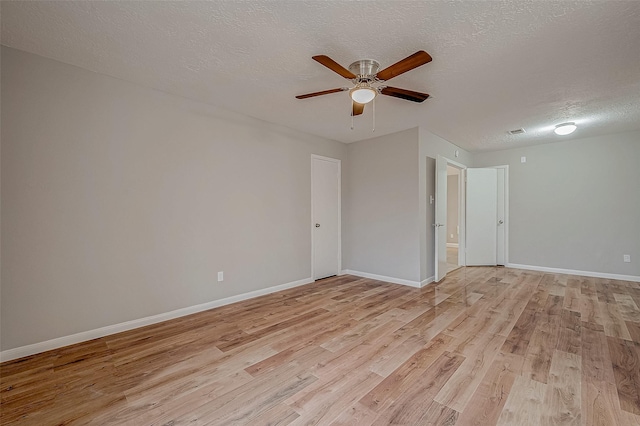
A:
(500, 243)
(325, 216)
(440, 224)
(482, 217)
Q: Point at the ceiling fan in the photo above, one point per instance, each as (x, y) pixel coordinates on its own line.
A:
(365, 76)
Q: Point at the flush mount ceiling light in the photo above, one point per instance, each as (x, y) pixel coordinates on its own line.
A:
(363, 93)
(565, 128)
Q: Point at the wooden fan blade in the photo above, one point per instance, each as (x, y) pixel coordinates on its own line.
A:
(324, 92)
(409, 95)
(357, 108)
(334, 66)
(407, 64)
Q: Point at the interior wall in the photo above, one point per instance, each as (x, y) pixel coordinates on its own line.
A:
(382, 223)
(388, 213)
(452, 209)
(121, 202)
(574, 204)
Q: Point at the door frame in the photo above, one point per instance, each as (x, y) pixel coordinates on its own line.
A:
(462, 209)
(311, 225)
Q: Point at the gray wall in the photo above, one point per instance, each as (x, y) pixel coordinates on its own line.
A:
(575, 204)
(121, 202)
(452, 209)
(382, 224)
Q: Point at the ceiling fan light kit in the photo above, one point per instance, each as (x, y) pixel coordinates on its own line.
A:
(363, 93)
(366, 78)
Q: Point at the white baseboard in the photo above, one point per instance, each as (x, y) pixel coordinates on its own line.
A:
(393, 280)
(428, 281)
(48, 345)
(575, 272)
(454, 245)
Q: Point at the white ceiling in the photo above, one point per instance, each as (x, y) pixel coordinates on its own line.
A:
(496, 66)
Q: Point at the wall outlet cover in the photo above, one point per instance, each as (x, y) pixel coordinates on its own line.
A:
(626, 258)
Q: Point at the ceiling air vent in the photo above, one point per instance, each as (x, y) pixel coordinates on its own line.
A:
(516, 131)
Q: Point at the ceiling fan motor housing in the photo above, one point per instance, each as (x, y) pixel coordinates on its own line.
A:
(365, 69)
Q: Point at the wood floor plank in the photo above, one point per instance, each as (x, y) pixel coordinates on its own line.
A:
(322, 402)
(266, 393)
(361, 355)
(397, 383)
(626, 368)
(540, 351)
(525, 403)
(627, 307)
(308, 354)
(486, 346)
(279, 415)
(600, 405)
(572, 299)
(563, 393)
(459, 389)
(357, 414)
(614, 325)
(409, 407)
(389, 362)
(629, 419)
(590, 310)
(570, 336)
(518, 339)
(438, 415)
(488, 400)
(634, 331)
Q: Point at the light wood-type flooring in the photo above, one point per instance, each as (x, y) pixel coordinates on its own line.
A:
(486, 346)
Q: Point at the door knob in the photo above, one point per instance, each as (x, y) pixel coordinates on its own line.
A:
(317, 225)
(500, 222)
(437, 225)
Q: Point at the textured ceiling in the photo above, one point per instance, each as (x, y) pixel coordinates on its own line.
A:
(497, 65)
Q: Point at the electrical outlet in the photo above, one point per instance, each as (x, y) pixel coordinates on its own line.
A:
(451, 236)
(220, 276)
(523, 159)
(626, 258)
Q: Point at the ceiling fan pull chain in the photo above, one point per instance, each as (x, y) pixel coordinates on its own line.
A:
(352, 121)
(373, 104)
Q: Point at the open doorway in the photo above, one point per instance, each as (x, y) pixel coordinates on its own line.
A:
(482, 223)
(443, 240)
(453, 217)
